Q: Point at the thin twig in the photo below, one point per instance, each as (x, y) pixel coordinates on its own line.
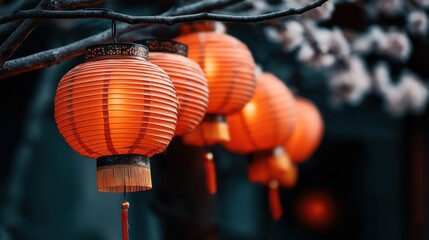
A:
(15, 40)
(56, 55)
(9, 46)
(168, 20)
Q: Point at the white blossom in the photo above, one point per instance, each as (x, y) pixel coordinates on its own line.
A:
(389, 6)
(381, 77)
(220, 27)
(422, 3)
(395, 44)
(258, 71)
(418, 22)
(293, 36)
(259, 6)
(321, 13)
(415, 92)
(308, 55)
(408, 95)
(350, 84)
(272, 34)
(366, 43)
(338, 44)
(330, 44)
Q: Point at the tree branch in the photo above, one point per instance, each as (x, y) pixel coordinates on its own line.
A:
(54, 56)
(9, 46)
(15, 40)
(168, 20)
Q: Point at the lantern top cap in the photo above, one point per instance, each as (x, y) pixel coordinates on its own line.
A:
(115, 50)
(166, 46)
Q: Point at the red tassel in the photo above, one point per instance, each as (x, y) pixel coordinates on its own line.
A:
(210, 173)
(125, 206)
(274, 200)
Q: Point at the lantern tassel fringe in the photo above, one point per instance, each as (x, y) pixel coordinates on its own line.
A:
(274, 200)
(210, 173)
(120, 178)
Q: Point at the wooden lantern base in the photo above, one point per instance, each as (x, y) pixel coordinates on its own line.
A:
(212, 130)
(123, 173)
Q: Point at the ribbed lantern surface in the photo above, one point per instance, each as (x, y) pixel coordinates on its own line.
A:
(228, 66)
(188, 79)
(308, 131)
(120, 109)
(267, 121)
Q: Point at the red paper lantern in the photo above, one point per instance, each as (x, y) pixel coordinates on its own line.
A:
(308, 131)
(261, 127)
(120, 109)
(229, 68)
(188, 79)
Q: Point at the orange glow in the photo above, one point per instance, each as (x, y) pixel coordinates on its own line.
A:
(308, 131)
(229, 68)
(316, 210)
(250, 109)
(191, 87)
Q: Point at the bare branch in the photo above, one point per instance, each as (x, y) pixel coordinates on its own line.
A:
(67, 4)
(15, 40)
(54, 56)
(168, 20)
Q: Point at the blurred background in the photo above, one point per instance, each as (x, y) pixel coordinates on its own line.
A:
(363, 63)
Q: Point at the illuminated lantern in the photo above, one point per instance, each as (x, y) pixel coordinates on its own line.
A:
(119, 109)
(261, 128)
(229, 68)
(188, 79)
(308, 131)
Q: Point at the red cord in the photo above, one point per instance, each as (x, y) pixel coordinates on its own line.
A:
(125, 206)
(274, 200)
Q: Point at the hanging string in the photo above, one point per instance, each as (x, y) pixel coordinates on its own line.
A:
(113, 27)
(114, 31)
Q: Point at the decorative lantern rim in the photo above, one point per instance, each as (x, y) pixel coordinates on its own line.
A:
(114, 50)
(165, 46)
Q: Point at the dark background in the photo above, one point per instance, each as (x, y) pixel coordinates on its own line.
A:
(372, 166)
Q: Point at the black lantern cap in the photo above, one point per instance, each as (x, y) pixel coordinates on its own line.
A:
(112, 50)
(167, 46)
